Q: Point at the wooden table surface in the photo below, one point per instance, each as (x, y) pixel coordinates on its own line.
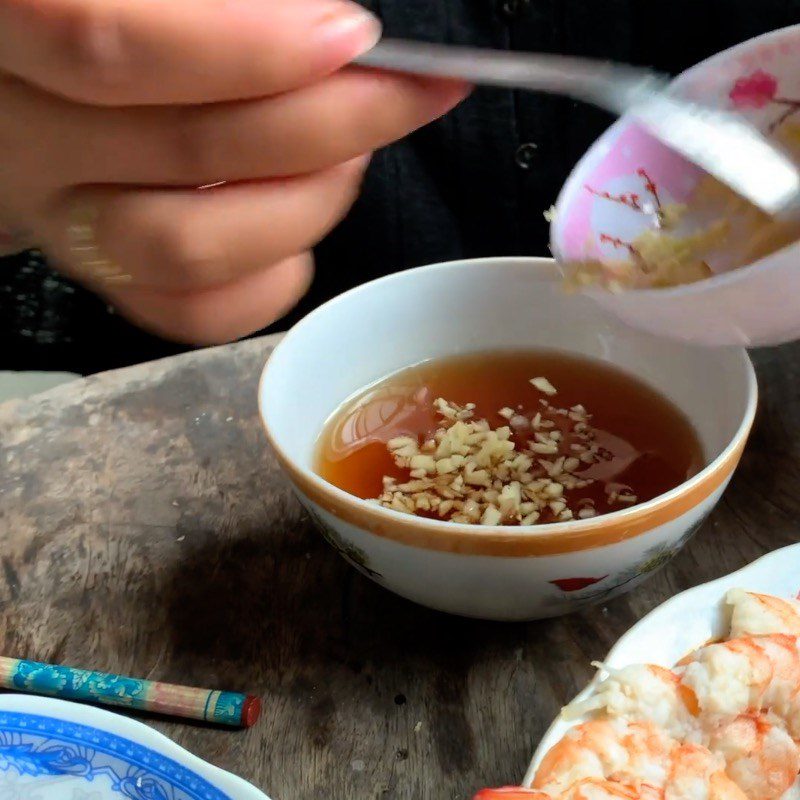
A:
(147, 530)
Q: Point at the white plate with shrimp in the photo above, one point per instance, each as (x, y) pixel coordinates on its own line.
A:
(728, 608)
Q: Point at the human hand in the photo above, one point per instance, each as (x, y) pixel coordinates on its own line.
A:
(116, 111)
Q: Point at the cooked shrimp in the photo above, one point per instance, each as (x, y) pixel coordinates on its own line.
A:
(589, 789)
(616, 760)
(510, 793)
(747, 674)
(627, 752)
(760, 757)
(641, 756)
(696, 774)
(594, 789)
(643, 692)
(762, 614)
(690, 786)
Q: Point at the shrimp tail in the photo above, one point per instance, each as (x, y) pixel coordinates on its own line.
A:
(578, 708)
(594, 702)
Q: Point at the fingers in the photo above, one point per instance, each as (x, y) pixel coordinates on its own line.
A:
(219, 314)
(351, 112)
(126, 52)
(188, 240)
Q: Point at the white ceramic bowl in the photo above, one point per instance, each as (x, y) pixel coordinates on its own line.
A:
(491, 304)
(683, 623)
(755, 305)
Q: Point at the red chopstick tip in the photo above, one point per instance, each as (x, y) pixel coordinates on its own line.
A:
(251, 710)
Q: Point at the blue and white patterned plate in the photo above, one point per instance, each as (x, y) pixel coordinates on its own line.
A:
(55, 750)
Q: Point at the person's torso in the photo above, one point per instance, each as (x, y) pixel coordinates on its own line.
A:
(475, 183)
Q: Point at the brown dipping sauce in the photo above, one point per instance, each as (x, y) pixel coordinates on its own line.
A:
(648, 445)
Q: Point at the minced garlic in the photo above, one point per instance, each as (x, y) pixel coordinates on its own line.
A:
(469, 472)
(658, 259)
(716, 231)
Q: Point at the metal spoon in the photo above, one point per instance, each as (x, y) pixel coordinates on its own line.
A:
(723, 144)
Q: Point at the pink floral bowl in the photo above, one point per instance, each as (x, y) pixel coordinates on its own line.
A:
(604, 205)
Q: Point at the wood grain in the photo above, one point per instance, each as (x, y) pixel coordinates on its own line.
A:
(147, 531)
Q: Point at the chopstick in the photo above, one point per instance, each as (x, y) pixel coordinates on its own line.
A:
(69, 683)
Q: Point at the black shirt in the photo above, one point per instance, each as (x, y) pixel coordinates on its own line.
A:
(475, 183)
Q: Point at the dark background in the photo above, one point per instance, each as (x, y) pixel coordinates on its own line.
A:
(473, 184)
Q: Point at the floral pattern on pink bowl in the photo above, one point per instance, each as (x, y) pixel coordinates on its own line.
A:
(611, 195)
(759, 90)
(755, 90)
(616, 200)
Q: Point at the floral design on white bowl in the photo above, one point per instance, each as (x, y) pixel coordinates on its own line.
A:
(587, 589)
(353, 555)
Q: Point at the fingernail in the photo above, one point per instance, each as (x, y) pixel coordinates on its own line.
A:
(349, 21)
(357, 164)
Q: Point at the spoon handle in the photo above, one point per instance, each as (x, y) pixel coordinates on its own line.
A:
(726, 146)
(614, 87)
